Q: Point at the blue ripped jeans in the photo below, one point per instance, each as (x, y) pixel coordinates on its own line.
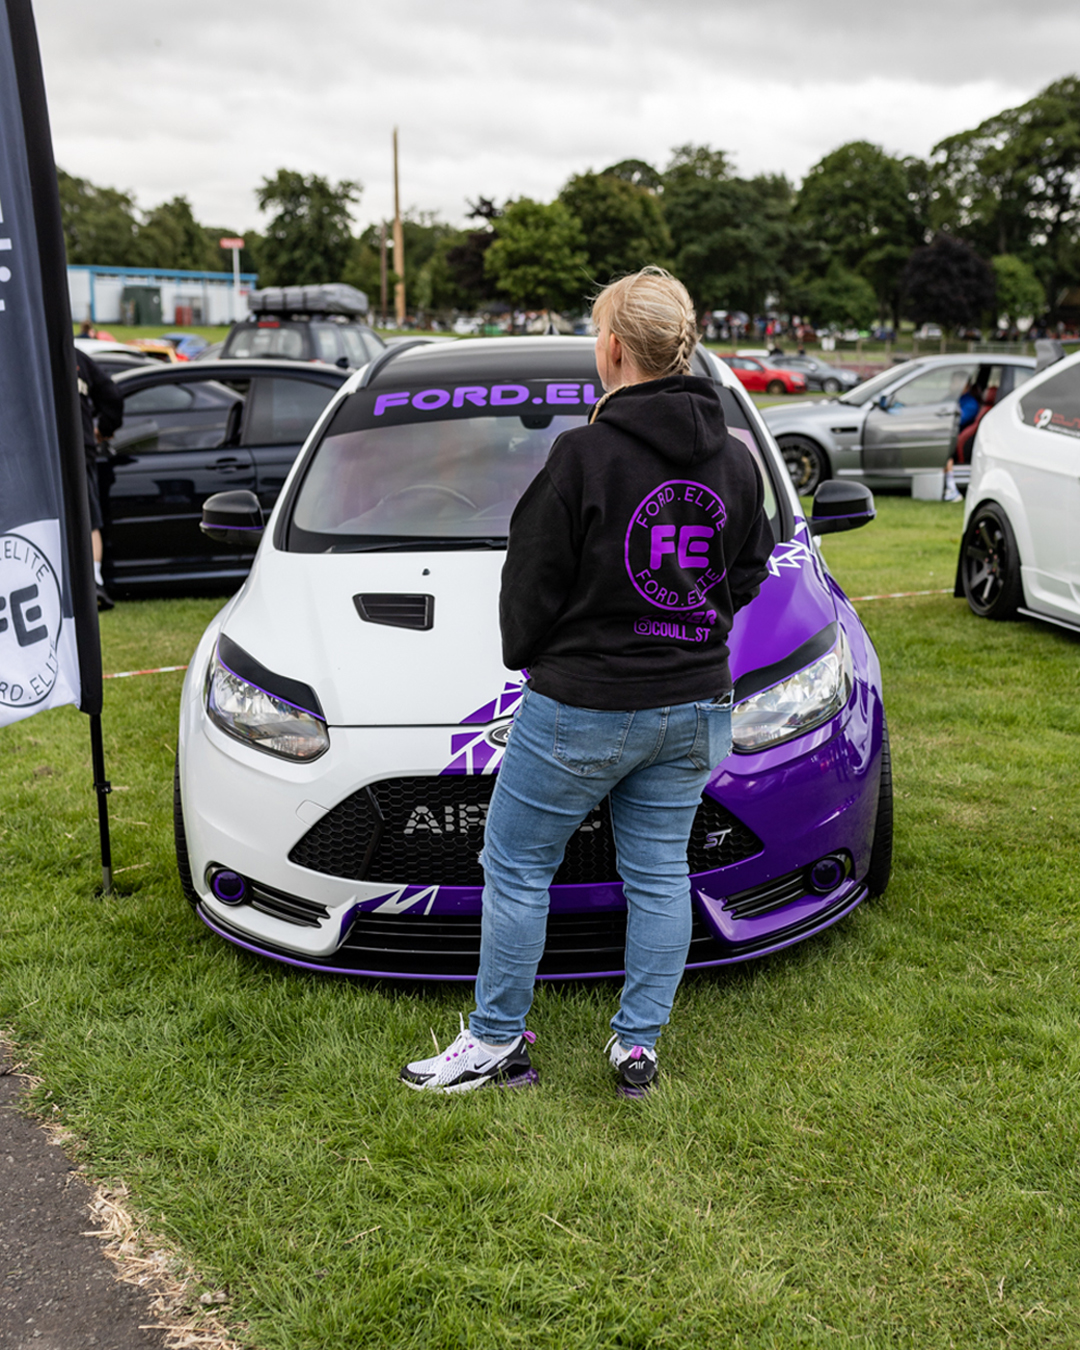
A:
(560, 762)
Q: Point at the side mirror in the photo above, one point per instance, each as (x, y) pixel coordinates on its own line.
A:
(884, 402)
(838, 505)
(342, 363)
(233, 518)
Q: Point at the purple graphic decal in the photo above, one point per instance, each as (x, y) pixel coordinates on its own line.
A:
(672, 550)
(473, 751)
(795, 554)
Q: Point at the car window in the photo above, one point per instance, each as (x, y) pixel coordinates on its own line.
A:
(1054, 405)
(871, 388)
(159, 398)
(282, 411)
(355, 349)
(386, 471)
(326, 343)
(206, 415)
(266, 339)
(941, 384)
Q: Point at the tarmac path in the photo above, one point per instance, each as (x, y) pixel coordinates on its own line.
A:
(57, 1289)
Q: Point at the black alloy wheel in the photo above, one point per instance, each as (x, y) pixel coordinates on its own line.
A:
(806, 463)
(990, 564)
(831, 386)
(183, 862)
(880, 869)
(775, 387)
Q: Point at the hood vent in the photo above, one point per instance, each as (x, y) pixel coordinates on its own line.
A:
(398, 611)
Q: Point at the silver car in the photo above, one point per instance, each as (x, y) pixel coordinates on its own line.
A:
(898, 423)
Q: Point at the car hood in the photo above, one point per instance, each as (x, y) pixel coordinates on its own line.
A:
(812, 412)
(298, 618)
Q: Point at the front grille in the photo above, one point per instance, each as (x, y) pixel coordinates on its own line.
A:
(399, 611)
(577, 944)
(428, 831)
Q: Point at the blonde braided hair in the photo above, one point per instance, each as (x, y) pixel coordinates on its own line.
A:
(652, 315)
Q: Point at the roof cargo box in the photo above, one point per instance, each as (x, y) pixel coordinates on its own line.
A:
(333, 297)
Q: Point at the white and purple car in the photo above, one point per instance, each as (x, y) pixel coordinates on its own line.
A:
(344, 715)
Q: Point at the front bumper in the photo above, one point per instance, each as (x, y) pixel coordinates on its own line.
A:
(245, 811)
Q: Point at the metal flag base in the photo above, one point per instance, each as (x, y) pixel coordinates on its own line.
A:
(102, 787)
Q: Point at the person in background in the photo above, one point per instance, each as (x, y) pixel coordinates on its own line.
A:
(102, 413)
(651, 512)
(970, 401)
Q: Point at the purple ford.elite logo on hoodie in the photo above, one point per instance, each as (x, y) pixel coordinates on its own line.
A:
(672, 552)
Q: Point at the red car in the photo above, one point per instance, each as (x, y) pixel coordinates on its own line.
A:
(759, 378)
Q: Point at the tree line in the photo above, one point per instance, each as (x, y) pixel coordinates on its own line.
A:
(988, 224)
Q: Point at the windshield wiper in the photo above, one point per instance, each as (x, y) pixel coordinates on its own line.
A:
(420, 543)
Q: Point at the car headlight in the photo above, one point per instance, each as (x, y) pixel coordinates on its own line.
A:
(795, 705)
(260, 719)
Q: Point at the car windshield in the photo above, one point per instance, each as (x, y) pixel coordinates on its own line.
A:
(877, 384)
(416, 468)
(266, 339)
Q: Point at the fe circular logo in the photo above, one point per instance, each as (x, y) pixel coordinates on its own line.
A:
(30, 618)
(674, 554)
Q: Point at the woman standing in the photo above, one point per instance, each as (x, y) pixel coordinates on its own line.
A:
(628, 557)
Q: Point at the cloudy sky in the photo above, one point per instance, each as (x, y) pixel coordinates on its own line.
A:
(206, 98)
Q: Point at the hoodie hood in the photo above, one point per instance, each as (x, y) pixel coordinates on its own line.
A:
(679, 417)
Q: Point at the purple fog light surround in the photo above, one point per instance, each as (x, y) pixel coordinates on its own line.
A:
(228, 887)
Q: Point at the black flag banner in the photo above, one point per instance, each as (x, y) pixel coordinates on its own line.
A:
(49, 645)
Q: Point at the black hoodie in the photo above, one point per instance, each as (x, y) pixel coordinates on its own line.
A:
(631, 551)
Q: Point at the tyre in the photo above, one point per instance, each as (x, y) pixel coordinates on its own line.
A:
(806, 463)
(776, 387)
(183, 863)
(831, 386)
(990, 564)
(880, 869)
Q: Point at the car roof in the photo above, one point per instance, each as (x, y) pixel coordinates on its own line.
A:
(499, 358)
(316, 371)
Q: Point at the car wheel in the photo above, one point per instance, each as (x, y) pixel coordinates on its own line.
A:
(806, 463)
(775, 387)
(880, 869)
(831, 386)
(183, 863)
(990, 565)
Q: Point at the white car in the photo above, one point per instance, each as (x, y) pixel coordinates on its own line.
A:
(1020, 551)
(344, 715)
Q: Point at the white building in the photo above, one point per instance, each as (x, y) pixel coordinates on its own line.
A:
(156, 295)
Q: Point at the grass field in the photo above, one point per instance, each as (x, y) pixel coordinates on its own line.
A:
(869, 1140)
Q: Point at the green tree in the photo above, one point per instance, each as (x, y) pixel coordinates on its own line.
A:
(732, 237)
(309, 238)
(170, 236)
(638, 172)
(948, 282)
(1012, 184)
(100, 224)
(860, 206)
(538, 257)
(841, 297)
(1020, 293)
(623, 224)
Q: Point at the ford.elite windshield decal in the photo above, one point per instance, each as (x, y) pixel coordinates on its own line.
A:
(548, 394)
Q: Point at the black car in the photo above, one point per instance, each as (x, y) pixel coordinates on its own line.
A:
(306, 323)
(191, 430)
(819, 375)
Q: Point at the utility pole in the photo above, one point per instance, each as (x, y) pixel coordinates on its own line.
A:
(382, 272)
(399, 247)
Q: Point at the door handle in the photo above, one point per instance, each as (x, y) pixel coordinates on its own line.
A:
(230, 462)
(946, 412)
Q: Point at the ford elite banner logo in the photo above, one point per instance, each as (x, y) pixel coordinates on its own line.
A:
(41, 510)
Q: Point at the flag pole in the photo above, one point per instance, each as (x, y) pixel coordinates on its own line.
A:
(81, 591)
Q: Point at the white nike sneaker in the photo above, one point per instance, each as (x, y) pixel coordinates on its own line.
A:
(465, 1064)
(636, 1068)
